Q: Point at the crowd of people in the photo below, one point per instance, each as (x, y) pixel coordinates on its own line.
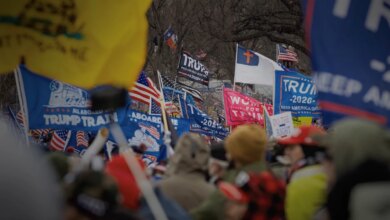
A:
(339, 173)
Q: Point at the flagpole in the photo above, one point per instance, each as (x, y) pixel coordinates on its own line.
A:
(23, 108)
(234, 78)
(235, 66)
(162, 101)
(167, 133)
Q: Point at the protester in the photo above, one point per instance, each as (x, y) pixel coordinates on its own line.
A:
(186, 172)
(245, 147)
(28, 185)
(218, 163)
(158, 171)
(93, 195)
(124, 178)
(306, 190)
(361, 156)
(60, 164)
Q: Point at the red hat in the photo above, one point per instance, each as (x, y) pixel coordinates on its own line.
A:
(232, 192)
(304, 135)
(119, 170)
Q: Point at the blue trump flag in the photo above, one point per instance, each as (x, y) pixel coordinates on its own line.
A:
(204, 124)
(142, 128)
(350, 48)
(57, 105)
(295, 93)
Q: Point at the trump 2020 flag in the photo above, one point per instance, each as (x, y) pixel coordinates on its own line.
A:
(254, 68)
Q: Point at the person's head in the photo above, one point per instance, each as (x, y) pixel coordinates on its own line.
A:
(90, 195)
(118, 168)
(139, 150)
(303, 144)
(191, 155)
(246, 144)
(354, 141)
(218, 162)
(60, 164)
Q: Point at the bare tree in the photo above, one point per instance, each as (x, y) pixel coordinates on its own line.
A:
(216, 26)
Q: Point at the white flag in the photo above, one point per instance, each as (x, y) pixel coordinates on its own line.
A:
(254, 68)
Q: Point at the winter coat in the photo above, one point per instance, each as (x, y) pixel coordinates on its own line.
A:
(212, 208)
(306, 193)
(172, 210)
(186, 182)
(362, 193)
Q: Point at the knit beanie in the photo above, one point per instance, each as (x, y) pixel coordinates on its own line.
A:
(246, 144)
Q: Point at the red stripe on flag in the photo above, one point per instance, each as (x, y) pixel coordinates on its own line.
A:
(57, 143)
(347, 110)
(308, 21)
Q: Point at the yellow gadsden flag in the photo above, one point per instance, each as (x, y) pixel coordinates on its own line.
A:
(81, 42)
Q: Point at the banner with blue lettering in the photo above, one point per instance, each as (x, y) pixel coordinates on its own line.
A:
(350, 48)
(295, 93)
(57, 105)
(141, 128)
(181, 125)
(204, 124)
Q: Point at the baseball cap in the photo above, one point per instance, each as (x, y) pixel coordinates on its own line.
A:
(307, 135)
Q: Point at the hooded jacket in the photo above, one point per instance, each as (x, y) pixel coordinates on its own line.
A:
(361, 155)
(186, 182)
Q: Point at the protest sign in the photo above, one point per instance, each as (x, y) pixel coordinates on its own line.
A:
(282, 125)
(57, 105)
(296, 93)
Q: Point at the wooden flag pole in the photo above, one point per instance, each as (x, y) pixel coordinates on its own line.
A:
(167, 133)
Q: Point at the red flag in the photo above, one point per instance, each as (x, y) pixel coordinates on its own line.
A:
(241, 109)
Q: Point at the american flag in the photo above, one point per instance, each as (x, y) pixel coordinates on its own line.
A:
(167, 82)
(154, 107)
(144, 90)
(20, 118)
(59, 140)
(36, 132)
(82, 138)
(284, 54)
(151, 129)
(172, 109)
(40, 132)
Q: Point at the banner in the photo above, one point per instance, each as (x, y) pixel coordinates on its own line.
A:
(84, 43)
(57, 105)
(241, 109)
(351, 58)
(142, 128)
(193, 69)
(295, 93)
(282, 125)
(204, 124)
(254, 68)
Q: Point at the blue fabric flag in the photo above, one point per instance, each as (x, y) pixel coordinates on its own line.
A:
(351, 57)
(57, 105)
(295, 93)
